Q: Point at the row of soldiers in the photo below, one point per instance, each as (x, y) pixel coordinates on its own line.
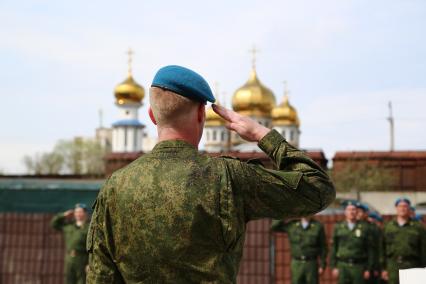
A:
(362, 249)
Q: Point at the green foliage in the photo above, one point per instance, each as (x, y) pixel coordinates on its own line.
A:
(361, 175)
(76, 156)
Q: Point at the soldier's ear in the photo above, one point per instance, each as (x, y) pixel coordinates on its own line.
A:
(201, 112)
(151, 116)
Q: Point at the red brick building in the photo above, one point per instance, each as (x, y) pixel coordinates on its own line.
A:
(407, 168)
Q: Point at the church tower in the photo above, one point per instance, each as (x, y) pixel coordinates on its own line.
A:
(253, 99)
(286, 121)
(127, 132)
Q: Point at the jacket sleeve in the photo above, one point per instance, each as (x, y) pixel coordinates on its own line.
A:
(102, 268)
(423, 245)
(58, 222)
(371, 250)
(298, 186)
(334, 246)
(323, 247)
(383, 248)
(279, 226)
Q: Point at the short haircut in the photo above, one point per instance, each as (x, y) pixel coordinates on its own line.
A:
(170, 109)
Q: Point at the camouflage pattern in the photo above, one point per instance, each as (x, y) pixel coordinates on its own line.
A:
(403, 247)
(176, 216)
(352, 252)
(307, 246)
(76, 257)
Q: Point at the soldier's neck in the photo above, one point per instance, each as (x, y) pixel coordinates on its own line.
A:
(189, 136)
(401, 220)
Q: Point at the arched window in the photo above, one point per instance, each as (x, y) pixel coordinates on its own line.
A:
(207, 135)
(283, 133)
(291, 135)
(222, 136)
(214, 135)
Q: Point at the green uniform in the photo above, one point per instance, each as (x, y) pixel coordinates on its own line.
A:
(307, 245)
(176, 216)
(352, 252)
(377, 239)
(76, 257)
(403, 247)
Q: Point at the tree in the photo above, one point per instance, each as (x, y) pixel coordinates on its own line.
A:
(44, 164)
(77, 156)
(362, 175)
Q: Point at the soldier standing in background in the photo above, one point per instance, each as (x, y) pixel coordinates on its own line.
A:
(404, 243)
(352, 254)
(362, 216)
(73, 224)
(308, 246)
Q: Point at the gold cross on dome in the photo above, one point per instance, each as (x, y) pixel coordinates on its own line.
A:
(129, 60)
(254, 51)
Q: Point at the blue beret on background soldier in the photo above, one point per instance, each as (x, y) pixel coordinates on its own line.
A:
(404, 243)
(74, 226)
(375, 231)
(352, 255)
(176, 216)
(308, 246)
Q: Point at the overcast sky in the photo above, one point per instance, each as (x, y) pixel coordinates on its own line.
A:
(343, 60)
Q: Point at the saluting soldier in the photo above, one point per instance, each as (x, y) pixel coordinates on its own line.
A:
(308, 248)
(73, 224)
(404, 243)
(362, 216)
(352, 254)
(177, 216)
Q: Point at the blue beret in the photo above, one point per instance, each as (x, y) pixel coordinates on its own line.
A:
(362, 206)
(403, 199)
(418, 217)
(81, 205)
(375, 216)
(346, 203)
(183, 81)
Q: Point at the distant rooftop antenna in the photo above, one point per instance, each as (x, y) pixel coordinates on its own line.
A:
(391, 124)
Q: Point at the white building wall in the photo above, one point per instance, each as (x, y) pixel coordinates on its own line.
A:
(290, 132)
(216, 142)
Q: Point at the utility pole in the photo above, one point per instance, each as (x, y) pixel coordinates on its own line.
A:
(391, 124)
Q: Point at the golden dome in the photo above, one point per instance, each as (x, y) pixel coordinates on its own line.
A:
(129, 91)
(213, 119)
(253, 98)
(285, 114)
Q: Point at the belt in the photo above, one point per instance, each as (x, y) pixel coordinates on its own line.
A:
(353, 260)
(304, 258)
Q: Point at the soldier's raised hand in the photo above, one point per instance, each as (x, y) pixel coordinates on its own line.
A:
(68, 213)
(246, 127)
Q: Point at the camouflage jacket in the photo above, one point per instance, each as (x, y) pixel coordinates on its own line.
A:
(310, 242)
(176, 216)
(405, 243)
(74, 236)
(354, 245)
